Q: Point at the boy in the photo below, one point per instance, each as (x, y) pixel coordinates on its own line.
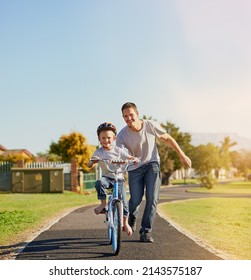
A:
(107, 135)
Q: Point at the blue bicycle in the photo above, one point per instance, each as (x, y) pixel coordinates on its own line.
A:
(114, 211)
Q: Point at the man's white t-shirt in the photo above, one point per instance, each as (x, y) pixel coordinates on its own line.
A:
(141, 144)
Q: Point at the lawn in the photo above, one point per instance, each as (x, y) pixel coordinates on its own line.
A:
(224, 223)
(243, 187)
(22, 213)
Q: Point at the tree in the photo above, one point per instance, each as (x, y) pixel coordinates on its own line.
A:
(241, 160)
(169, 160)
(49, 156)
(225, 156)
(73, 145)
(247, 163)
(15, 158)
(205, 158)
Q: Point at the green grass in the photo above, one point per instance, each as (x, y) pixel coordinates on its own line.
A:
(184, 182)
(224, 223)
(20, 213)
(227, 188)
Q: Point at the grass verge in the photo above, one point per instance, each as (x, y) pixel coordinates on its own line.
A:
(224, 223)
(21, 214)
(227, 188)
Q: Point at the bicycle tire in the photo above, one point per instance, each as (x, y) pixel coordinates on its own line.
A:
(117, 230)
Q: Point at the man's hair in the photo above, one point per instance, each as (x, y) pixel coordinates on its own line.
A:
(129, 105)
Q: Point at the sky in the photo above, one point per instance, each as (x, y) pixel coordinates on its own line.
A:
(70, 65)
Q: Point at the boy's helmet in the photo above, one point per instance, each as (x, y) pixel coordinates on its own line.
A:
(106, 126)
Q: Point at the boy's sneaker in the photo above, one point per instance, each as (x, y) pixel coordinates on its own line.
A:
(146, 237)
(132, 222)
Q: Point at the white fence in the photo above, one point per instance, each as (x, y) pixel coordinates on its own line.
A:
(49, 164)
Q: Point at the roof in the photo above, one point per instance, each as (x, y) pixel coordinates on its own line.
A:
(2, 148)
(17, 152)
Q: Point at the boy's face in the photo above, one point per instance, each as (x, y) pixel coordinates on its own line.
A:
(106, 139)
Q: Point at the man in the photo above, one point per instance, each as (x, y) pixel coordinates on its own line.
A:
(139, 138)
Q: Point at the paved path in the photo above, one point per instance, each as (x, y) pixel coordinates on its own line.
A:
(82, 235)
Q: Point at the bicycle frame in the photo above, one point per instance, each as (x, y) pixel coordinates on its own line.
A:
(111, 198)
(114, 213)
(114, 221)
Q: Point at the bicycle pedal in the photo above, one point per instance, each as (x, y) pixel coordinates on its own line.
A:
(103, 211)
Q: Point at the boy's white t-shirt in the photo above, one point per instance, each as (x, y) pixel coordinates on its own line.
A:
(113, 154)
(141, 144)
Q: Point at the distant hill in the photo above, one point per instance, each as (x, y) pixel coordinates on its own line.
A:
(216, 138)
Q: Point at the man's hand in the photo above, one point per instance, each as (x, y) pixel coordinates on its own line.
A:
(186, 161)
(135, 160)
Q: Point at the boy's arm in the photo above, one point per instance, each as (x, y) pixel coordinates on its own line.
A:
(92, 161)
(90, 164)
(171, 142)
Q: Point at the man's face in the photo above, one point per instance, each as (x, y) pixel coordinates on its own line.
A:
(130, 117)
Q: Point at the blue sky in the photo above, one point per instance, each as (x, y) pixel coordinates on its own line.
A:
(70, 65)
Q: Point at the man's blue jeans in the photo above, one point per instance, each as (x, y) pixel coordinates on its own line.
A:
(145, 179)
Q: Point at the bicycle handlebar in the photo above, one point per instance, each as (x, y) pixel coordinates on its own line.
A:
(117, 164)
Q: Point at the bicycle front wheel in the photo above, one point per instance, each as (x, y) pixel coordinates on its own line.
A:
(117, 230)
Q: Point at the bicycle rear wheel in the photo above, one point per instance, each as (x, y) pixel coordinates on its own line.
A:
(117, 230)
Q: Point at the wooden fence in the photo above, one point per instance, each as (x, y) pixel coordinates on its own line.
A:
(5, 175)
(88, 180)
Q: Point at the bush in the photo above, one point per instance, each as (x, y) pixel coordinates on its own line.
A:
(207, 181)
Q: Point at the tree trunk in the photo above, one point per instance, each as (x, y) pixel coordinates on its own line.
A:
(166, 178)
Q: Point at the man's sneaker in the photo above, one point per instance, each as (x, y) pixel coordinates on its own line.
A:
(132, 222)
(146, 237)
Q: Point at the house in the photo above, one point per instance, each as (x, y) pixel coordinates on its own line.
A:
(18, 153)
(2, 149)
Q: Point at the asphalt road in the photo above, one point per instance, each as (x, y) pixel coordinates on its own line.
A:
(82, 235)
